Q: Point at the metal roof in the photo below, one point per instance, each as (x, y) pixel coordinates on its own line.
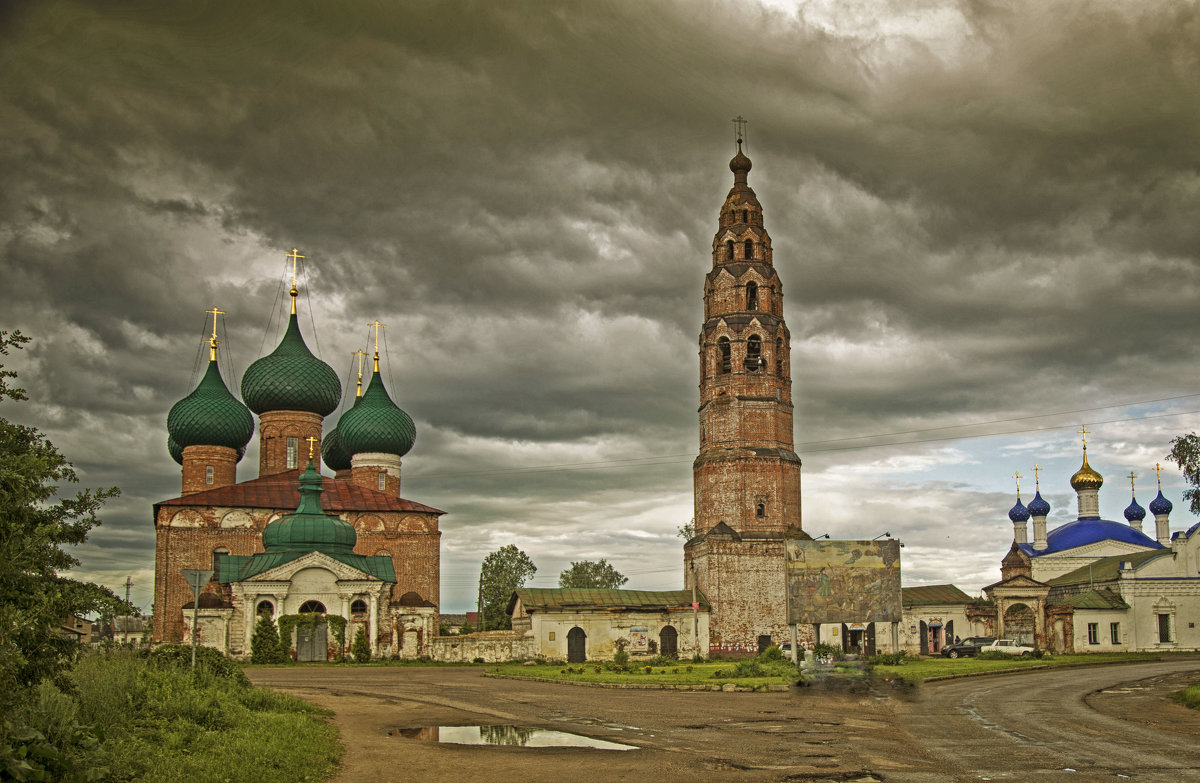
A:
(1095, 599)
(929, 595)
(544, 598)
(1106, 568)
(282, 491)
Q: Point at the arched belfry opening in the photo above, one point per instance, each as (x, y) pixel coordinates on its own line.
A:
(752, 295)
(754, 361)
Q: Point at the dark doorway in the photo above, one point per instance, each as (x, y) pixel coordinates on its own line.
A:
(312, 643)
(764, 642)
(924, 638)
(576, 645)
(871, 650)
(668, 641)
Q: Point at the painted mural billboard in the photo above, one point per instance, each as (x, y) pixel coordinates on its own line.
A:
(843, 581)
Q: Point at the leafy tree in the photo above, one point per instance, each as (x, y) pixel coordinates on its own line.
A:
(503, 572)
(589, 573)
(361, 648)
(265, 646)
(35, 525)
(1185, 452)
(687, 532)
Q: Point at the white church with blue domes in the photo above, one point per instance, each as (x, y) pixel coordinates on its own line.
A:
(1095, 585)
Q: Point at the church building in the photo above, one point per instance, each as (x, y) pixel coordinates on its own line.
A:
(290, 541)
(1096, 585)
(746, 477)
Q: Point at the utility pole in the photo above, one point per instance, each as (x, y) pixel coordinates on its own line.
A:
(128, 586)
(479, 602)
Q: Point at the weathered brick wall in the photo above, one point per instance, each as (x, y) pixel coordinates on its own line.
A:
(197, 460)
(745, 583)
(275, 427)
(728, 488)
(187, 535)
(491, 646)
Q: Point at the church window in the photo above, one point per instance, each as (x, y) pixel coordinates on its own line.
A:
(779, 356)
(749, 250)
(745, 216)
(265, 607)
(726, 361)
(293, 447)
(312, 607)
(1164, 628)
(751, 296)
(729, 250)
(1093, 633)
(217, 556)
(754, 361)
(1114, 633)
(358, 607)
(208, 474)
(760, 510)
(382, 481)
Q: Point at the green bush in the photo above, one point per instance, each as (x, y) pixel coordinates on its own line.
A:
(362, 648)
(208, 661)
(771, 654)
(265, 646)
(1189, 697)
(829, 650)
(889, 659)
(621, 657)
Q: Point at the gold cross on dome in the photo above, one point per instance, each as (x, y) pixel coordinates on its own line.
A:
(377, 326)
(1158, 472)
(360, 353)
(739, 126)
(1083, 430)
(311, 441)
(1017, 476)
(1132, 476)
(213, 342)
(295, 256)
(1036, 470)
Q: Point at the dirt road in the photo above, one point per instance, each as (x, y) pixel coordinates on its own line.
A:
(1016, 727)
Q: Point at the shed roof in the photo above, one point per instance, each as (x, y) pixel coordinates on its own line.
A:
(545, 598)
(1095, 599)
(1106, 568)
(929, 595)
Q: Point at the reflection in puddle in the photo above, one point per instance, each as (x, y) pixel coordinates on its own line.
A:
(518, 736)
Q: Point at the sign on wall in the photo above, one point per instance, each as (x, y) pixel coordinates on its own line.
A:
(843, 581)
(637, 639)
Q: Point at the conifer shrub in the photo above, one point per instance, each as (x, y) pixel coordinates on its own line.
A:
(362, 648)
(265, 646)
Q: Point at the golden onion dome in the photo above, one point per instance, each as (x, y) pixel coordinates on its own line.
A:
(1085, 477)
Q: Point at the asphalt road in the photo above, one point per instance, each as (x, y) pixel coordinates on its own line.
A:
(1098, 723)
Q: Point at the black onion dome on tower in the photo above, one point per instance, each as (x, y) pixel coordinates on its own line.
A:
(209, 416)
(290, 378)
(376, 424)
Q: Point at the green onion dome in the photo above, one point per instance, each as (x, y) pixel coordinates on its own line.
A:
(333, 451)
(290, 378)
(309, 528)
(209, 416)
(376, 424)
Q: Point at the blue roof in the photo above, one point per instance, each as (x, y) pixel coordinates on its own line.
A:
(1090, 530)
(1191, 530)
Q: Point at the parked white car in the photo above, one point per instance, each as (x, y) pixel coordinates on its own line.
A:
(1006, 646)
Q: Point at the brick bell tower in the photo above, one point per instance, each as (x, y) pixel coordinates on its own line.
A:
(746, 476)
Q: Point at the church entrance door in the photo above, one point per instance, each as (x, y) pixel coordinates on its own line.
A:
(668, 641)
(576, 645)
(312, 643)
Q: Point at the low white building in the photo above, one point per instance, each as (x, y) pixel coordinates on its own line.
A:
(579, 625)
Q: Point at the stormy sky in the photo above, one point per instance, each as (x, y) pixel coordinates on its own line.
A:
(985, 215)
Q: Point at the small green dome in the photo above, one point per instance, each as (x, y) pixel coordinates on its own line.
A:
(310, 529)
(290, 378)
(376, 424)
(333, 451)
(209, 416)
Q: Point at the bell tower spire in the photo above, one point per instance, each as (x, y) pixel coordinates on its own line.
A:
(747, 473)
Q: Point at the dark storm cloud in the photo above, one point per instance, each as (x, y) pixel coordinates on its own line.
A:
(969, 214)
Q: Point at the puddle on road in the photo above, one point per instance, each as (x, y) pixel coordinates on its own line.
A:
(514, 736)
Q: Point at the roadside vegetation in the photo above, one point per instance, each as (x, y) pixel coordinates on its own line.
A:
(769, 668)
(916, 670)
(120, 715)
(1189, 697)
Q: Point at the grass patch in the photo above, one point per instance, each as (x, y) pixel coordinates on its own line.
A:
(126, 717)
(917, 670)
(1188, 697)
(748, 673)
